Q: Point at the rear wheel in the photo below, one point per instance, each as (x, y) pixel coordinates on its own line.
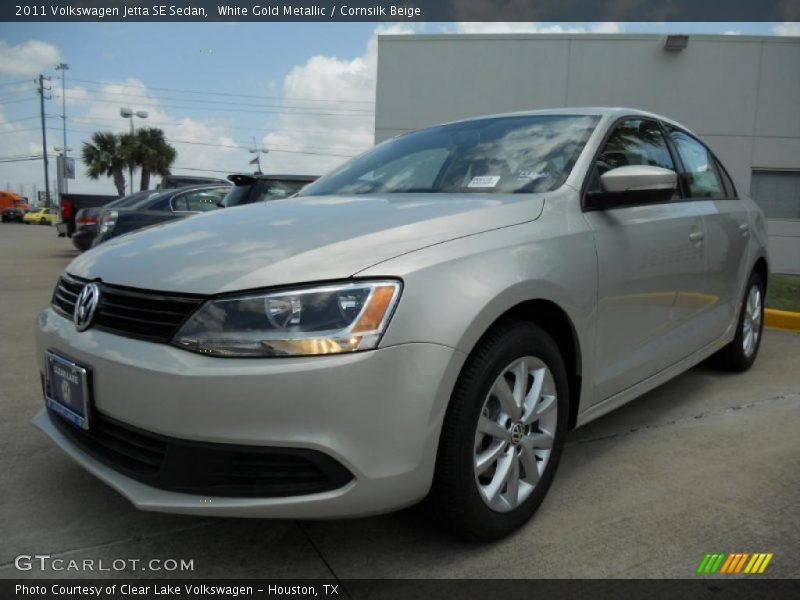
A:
(503, 433)
(741, 353)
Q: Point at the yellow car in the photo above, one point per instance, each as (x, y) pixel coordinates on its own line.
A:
(42, 216)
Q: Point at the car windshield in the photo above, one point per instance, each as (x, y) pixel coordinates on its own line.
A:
(519, 154)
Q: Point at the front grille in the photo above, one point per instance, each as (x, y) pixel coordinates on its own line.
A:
(205, 468)
(154, 316)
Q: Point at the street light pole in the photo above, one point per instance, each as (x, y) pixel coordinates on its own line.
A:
(128, 113)
(63, 67)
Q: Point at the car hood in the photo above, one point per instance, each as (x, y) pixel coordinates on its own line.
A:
(295, 240)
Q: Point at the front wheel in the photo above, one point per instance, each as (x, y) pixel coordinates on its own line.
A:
(503, 433)
(741, 353)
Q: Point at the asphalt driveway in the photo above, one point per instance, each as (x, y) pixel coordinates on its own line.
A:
(706, 463)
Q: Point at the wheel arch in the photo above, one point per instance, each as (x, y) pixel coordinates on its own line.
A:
(762, 268)
(556, 322)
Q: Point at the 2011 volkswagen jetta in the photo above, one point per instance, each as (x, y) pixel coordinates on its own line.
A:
(428, 320)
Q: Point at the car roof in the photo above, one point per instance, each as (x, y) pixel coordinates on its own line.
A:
(596, 111)
(248, 178)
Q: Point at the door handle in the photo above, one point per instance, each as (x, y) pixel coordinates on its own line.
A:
(745, 229)
(697, 236)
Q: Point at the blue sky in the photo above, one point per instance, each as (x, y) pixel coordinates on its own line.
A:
(305, 90)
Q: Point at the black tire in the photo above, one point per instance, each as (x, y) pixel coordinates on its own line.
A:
(455, 497)
(733, 357)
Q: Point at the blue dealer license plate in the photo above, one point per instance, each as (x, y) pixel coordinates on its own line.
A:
(67, 389)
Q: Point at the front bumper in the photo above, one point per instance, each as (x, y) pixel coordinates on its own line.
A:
(377, 413)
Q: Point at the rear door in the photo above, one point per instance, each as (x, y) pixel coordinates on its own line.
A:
(727, 233)
(651, 266)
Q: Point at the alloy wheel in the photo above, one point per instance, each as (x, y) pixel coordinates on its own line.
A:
(515, 434)
(751, 323)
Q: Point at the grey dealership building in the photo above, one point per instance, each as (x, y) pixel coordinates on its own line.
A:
(741, 94)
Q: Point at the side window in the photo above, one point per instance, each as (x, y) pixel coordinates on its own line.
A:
(203, 201)
(634, 142)
(701, 173)
(179, 204)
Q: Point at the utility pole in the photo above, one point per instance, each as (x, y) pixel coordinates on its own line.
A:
(258, 152)
(41, 90)
(63, 67)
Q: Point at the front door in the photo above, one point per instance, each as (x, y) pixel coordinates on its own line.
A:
(651, 267)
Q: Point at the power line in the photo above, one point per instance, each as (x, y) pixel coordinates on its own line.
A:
(113, 122)
(5, 83)
(10, 131)
(211, 93)
(18, 120)
(28, 99)
(28, 158)
(144, 99)
(14, 94)
(293, 111)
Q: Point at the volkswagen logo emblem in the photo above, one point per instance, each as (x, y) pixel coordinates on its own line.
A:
(86, 306)
(517, 433)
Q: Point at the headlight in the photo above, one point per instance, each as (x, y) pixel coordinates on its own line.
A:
(306, 321)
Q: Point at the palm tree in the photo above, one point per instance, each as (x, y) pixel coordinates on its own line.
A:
(105, 155)
(149, 150)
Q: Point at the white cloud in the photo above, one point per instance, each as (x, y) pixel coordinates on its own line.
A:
(534, 27)
(349, 81)
(27, 58)
(787, 28)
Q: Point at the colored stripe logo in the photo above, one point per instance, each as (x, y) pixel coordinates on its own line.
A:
(733, 563)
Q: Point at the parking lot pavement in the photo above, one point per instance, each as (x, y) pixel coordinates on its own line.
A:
(707, 463)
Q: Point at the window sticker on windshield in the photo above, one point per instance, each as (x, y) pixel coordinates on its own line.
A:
(531, 175)
(484, 181)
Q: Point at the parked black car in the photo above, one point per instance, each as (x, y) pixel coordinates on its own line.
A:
(87, 220)
(257, 188)
(166, 205)
(12, 215)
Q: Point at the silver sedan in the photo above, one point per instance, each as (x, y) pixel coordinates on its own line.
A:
(428, 320)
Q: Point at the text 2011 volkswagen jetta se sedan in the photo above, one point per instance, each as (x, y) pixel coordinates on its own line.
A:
(427, 320)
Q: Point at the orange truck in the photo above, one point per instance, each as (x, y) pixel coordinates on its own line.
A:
(12, 200)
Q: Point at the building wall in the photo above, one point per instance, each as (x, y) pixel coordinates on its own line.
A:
(741, 94)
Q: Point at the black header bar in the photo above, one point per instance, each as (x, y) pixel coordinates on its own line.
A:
(400, 10)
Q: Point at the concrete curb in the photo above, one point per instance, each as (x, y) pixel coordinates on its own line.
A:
(782, 319)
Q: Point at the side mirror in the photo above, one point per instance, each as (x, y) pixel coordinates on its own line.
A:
(634, 184)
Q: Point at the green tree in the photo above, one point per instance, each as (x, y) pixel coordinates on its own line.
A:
(149, 150)
(105, 155)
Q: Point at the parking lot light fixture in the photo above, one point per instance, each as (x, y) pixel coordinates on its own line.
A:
(128, 113)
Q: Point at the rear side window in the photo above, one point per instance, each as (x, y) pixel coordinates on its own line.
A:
(198, 201)
(701, 172)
